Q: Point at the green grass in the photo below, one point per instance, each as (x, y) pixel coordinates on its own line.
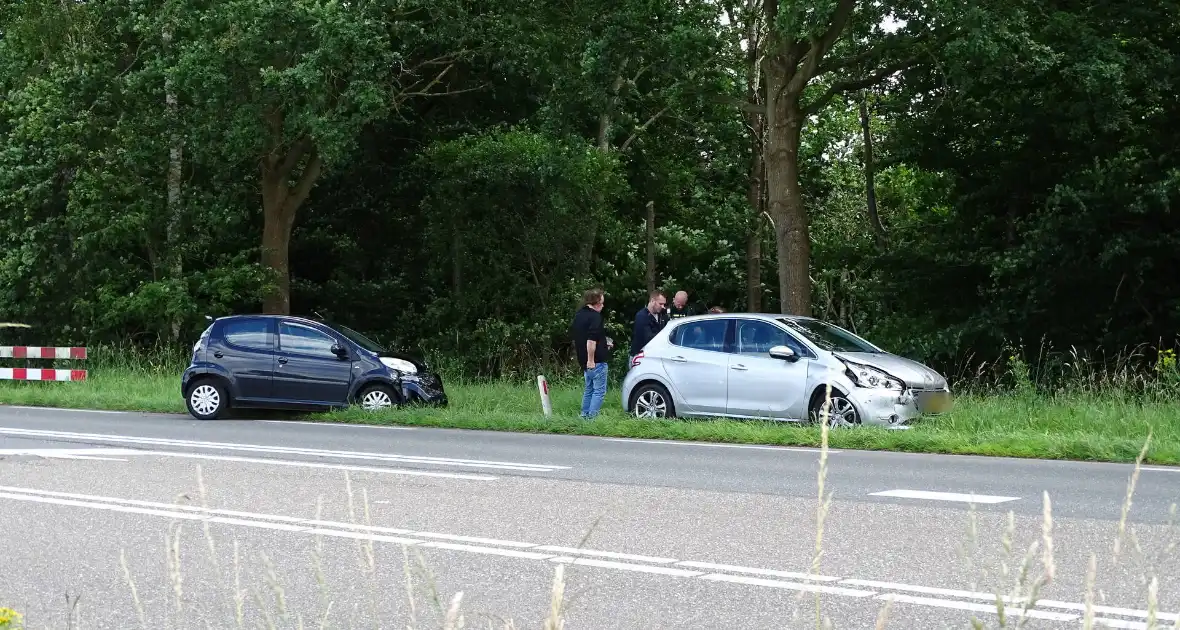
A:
(1082, 427)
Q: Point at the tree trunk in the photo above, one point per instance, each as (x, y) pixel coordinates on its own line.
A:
(277, 224)
(175, 174)
(754, 196)
(784, 125)
(280, 201)
(870, 186)
(651, 246)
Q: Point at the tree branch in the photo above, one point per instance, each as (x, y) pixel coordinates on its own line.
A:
(742, 104)
(307, 179)
(820, 46)
(291, 159)
(840, 87)
(642, 128)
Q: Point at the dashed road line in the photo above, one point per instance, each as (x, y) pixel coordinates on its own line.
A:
(284, 450)
(943, 496)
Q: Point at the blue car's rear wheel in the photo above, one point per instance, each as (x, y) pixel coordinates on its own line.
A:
(207, 399)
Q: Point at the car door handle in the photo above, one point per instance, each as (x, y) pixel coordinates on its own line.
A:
(739, 367)
(679, 359)
(218, 354)
(282, 360)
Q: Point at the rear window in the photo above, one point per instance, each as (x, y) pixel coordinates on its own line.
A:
(249, 333)
(701, 335)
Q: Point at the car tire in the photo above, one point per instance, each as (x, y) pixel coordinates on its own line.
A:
(376, 397)
(841, 414)
(652, 400)
(207, 399)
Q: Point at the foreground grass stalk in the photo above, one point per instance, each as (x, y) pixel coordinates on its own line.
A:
(134, 592)
(239, 592)
(556, 618)
(824, 502)
(1091, 579)
(1118, 541)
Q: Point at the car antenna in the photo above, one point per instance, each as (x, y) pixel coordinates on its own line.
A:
(318, 316)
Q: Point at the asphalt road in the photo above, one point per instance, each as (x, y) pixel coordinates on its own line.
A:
(649, 534)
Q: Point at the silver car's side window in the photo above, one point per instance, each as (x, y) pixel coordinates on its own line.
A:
(701, 335)
(755, 337)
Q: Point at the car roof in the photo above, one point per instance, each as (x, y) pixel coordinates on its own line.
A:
(295, 318)
(762, 316)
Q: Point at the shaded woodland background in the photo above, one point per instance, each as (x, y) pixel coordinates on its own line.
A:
(450, 175)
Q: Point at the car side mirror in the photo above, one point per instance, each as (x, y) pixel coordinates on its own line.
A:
(783, 353)
(340, 351)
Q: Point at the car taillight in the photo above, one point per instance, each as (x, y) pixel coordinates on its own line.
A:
(635, 361)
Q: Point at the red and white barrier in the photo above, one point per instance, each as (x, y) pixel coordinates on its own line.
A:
(38, 352)
(42, 374)
(37, 374)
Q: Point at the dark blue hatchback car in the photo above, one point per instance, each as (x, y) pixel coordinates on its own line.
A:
(283, 362)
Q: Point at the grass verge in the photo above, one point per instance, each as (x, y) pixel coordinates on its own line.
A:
(1084, 427)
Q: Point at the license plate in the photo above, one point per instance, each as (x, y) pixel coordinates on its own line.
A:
(934, 402)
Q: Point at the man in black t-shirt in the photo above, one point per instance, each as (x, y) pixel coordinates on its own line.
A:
(648, 323)
(592, 348)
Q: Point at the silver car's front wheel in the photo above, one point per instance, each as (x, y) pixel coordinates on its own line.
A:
(839, 411)
(653, 401)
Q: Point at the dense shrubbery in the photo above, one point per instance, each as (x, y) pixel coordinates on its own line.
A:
(1026, 179)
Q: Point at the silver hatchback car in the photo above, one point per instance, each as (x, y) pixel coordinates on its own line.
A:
(778, 367)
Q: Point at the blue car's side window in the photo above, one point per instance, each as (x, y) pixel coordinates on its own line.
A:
(251, 334)
(307, 341)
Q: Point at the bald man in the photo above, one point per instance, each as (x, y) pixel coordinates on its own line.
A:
(679, 306)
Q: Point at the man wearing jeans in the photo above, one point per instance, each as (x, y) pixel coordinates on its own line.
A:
(590, 343)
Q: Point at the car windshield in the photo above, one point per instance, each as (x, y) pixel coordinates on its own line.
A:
(359, 339)
(829, 337)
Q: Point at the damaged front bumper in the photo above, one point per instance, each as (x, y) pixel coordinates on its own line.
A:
(885, 407)
(424, 388)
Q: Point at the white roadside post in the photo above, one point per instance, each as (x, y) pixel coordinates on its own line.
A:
(543, 388)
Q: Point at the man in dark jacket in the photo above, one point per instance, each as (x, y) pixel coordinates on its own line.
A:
(593, 351)
(647, 323)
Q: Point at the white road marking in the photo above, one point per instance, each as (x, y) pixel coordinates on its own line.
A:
(927, 590)
(98, 454)
(511, 553)
(1159, 469)
(793, 586)
(716, 445)
(287, 450)
(973, 607)
(30, 408)
(709, 566)
(299, 464)
(573, 551)
(90, 454)
(341, 424)
(529, 551)
(943, 496)
(623, 566)
(1107, 610)
(1120, 624)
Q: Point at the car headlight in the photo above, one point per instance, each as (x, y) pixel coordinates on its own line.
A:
(401, 365)
(865, 376)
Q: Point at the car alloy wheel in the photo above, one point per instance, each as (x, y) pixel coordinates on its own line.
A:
(376, 398)
(840, 411)
(205, 399)
(651, 404)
